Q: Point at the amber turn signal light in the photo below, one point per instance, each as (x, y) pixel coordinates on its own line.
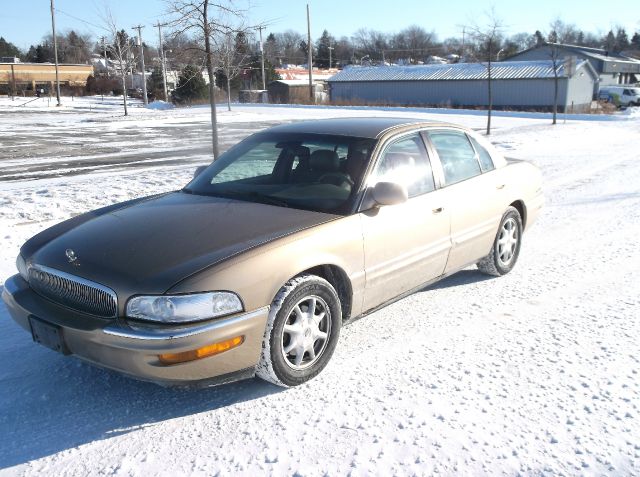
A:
(204, 352)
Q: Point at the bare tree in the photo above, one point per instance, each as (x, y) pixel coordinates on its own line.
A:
(288, 46)
(561, 32)
(231, 59)
(489, 37)
(181, 50)
(206, 18)
(556, 63)
(121, 49)
(371, 43)
(522, 41)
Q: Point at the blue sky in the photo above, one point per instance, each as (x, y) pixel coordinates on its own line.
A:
(25, 22)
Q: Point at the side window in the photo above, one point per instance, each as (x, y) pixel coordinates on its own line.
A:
(486, 163)
(405, 161)
(458, 158)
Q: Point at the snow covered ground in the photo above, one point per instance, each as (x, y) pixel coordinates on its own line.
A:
(534, 373)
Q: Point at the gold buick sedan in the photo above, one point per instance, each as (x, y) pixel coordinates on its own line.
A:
(254, 266)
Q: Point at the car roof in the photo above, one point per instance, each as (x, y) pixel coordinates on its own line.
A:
(368, 127)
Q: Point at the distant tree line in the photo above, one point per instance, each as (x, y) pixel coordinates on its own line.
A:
(411, 45)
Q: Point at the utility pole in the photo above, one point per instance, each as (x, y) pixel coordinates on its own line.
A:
(144, 76)
(264, 83)
(13, 82)
(104, 52)
(55, 52)
(309, 58)
(162, 61)
(330, 48)
(462, 52)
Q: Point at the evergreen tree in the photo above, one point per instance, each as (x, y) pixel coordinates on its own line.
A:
(324, 43)
(553, 36)
(191, 85)
(539, 38)
(610, 41)
(41, 53)
(256, 70)
(8, 49)
(635, 40)
(156, 83)
(271, 48)
(305, 51)
(622, 40)
(242, 44)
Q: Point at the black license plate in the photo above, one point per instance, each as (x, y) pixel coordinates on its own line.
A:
(48, 335)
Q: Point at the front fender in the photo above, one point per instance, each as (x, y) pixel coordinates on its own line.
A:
(258, 274)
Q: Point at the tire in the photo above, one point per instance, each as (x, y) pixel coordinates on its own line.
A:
(296, 346)
(506, 247)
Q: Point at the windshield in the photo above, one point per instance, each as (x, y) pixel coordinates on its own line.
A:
(306, 171)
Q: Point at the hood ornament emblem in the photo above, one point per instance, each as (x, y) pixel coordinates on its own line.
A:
(71, 255)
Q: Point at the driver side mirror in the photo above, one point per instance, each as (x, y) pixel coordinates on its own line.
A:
(389, 193)
(198, 171)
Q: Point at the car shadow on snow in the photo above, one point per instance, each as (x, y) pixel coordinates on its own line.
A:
(461, 278)
(50, 403)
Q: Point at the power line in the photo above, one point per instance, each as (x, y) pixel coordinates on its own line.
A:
(81, 20)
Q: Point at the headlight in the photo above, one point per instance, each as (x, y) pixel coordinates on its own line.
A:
(183, 308)
(21, 265)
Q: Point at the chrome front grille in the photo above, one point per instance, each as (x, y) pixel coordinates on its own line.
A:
(73, 292)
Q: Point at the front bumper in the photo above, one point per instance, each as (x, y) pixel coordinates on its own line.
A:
(133, 348)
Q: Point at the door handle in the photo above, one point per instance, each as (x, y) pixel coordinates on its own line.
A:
(500, 186)
(438, 210)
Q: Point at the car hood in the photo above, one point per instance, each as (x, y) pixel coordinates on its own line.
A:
(150, 245)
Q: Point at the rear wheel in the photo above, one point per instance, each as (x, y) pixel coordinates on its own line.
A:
(302, 331)
(506, 247)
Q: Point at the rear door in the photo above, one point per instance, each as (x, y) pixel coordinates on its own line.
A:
(473, 190)
(405, 245)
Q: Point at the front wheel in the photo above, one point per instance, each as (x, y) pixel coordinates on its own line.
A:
(506, 247)
(302, 331)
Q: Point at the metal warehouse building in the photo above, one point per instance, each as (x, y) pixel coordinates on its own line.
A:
(612, 68)
(515, 84)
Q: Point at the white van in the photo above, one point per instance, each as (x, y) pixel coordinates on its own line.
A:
(621, 95)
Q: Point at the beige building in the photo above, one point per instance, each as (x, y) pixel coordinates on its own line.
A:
(30, 75)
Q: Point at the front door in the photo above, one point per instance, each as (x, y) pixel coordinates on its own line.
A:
(405, 245)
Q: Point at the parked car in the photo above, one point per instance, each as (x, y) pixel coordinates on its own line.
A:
(257, 263)
(621, 95)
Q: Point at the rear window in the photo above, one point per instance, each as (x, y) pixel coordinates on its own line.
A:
(458, 158)
(486, 163)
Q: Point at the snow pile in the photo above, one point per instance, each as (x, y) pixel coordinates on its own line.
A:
(160, 105)
(534, 373)
(632, 112)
